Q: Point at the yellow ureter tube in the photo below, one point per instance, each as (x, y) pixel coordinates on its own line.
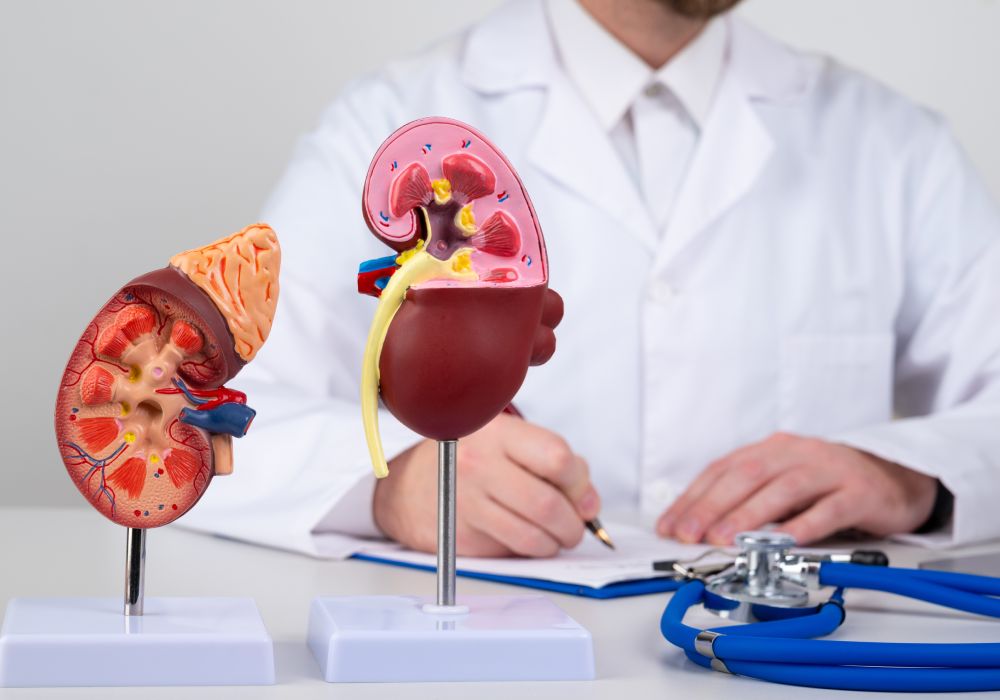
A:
(416, 266)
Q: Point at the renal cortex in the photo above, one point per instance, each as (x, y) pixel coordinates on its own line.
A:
(464, 306)
(143, 420)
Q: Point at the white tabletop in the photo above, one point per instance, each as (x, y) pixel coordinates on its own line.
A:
(74, 552)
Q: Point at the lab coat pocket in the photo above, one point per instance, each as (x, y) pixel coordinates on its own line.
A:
(832, 383)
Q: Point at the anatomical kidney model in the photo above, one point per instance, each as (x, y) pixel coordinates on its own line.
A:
(144, 422)
(142, 417)
(464, 308)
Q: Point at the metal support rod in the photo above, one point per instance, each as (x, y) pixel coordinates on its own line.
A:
(447, 466)
(135, 570)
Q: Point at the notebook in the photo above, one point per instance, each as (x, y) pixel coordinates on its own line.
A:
(590, 570)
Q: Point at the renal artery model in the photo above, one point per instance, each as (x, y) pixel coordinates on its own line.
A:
(142, 419)
(464, 307)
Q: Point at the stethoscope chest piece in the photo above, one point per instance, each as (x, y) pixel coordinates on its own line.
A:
(764, 576)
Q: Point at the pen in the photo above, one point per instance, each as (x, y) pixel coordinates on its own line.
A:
(594, 525)
(599, 531)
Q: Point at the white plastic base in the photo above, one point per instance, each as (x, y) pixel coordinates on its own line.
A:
(47, 642)
(396, 639)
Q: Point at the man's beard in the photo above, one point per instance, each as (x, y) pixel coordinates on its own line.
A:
(699, 9)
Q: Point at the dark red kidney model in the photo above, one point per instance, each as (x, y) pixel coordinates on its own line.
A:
(464, 306)
(143, 420)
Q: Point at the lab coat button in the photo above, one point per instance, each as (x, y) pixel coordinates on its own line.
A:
(657, 494)
(662, 491)
(653, 89)
(661, 292)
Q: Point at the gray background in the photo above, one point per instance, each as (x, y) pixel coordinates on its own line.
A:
(132, 129)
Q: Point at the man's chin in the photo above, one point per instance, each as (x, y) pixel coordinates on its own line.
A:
(699, 9)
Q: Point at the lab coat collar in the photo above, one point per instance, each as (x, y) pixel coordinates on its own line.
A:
(608, 75)
(767, 70)
(518, 31)
(570, 145)
(509, 50)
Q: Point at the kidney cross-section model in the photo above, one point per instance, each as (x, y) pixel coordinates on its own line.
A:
(142, 418)
(464, 305)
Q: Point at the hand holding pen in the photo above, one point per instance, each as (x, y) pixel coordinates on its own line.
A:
(521, 492)
(592, 524)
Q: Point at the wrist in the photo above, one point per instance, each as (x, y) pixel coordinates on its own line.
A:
(914, 500)
(396, 498)
(383, 507)
(941, 511)
(380, 509)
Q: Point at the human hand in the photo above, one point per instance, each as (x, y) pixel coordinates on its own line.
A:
(521, 491)
(810, 487)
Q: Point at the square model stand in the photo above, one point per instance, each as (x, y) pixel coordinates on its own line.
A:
(485, 638)
(50, 642)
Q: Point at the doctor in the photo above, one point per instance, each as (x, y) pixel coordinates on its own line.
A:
(782, 288)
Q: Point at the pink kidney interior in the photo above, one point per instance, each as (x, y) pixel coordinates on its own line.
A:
(400, 207)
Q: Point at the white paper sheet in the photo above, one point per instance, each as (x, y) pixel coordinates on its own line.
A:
(590, 564)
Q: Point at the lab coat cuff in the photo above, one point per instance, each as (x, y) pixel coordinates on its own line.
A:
(352, 514)
(914, 444)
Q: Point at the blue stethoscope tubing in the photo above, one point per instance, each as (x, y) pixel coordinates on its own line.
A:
(786, 651)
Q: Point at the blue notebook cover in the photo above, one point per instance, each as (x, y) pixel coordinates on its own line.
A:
(621, 589)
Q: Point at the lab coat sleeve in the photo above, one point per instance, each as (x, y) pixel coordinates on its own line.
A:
(304, 465)
(947, 375)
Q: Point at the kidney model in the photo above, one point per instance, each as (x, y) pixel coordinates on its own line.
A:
(464, 306)
(142, 418)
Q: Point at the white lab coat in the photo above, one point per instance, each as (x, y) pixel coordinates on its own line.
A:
(832, 261)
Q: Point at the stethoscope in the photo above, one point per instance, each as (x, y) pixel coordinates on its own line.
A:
(768, 586)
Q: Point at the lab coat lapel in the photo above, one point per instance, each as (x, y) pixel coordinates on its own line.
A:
(735, 144)
(570, 146)
(731, 154)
